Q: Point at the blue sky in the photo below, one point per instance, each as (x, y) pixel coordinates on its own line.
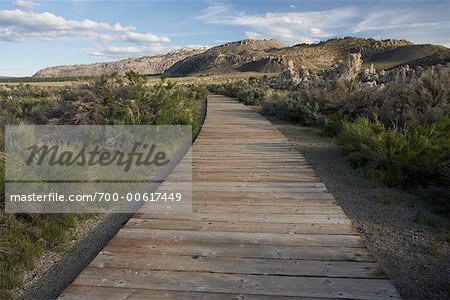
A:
(37, 34)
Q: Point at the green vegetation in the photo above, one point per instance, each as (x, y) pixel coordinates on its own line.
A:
(434, 248)
(408, 156)
(425, 219)
(399, 132)
(109, 99)
(27, 80)
(25, 237)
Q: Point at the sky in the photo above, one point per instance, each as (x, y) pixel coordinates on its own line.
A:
(38, 34)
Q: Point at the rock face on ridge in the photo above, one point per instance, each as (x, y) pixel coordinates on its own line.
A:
(149, 65)
(349, 69)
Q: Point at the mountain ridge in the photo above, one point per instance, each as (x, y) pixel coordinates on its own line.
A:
(148, 65)
(318, 56)
(265, 56)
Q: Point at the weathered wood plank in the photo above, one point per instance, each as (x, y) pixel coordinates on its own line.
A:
(349, 288)
(267, 209)
(136, 245)
(82, 292)
(198, 263)
(149, 235)
(290, 228)
(147, 213)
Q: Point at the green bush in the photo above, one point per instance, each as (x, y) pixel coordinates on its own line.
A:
(414, 155)
(331, 126)
(117, 100)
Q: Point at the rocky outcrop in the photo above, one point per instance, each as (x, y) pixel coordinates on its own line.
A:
(149, 65)
(290, 77)
(349, 69)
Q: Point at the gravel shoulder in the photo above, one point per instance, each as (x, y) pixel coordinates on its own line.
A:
(384, 217)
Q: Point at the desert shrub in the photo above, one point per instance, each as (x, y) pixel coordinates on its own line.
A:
(295, 106)
(414, 155)
(21, 90)
(302, 109)
(421, 99)
(250, 92)
(117, 100)
(196, 92)
(29, 110)
(331, 126)
(173, 106)
(274, 105)
(230, 89)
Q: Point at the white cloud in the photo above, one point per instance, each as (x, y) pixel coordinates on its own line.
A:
(134, 51)
(144, 38)
(215, 10)
(397, 19)
(419, 23)
(17, 25)
(25, 4)
(127, 51)
(315, 31)
(290, 27)
(222, 41)
(293, 6)
(107, 38)
(427, 24)
(254, 35)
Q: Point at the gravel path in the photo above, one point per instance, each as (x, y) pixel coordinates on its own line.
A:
(384, 217)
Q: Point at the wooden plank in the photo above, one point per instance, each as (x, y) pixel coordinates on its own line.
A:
(147, 235)
(273, 197)
(267, 209)
(349, 288)
(280, 252)
(83, 292)
(147, 213)
(211, 264)
(288, 228)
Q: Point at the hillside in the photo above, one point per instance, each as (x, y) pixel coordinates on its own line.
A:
(271, 56)
(411, 54)
(264, 56)
(230, 57)
(145, 65)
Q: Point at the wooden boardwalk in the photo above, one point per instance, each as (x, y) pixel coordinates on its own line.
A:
(263, 227)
